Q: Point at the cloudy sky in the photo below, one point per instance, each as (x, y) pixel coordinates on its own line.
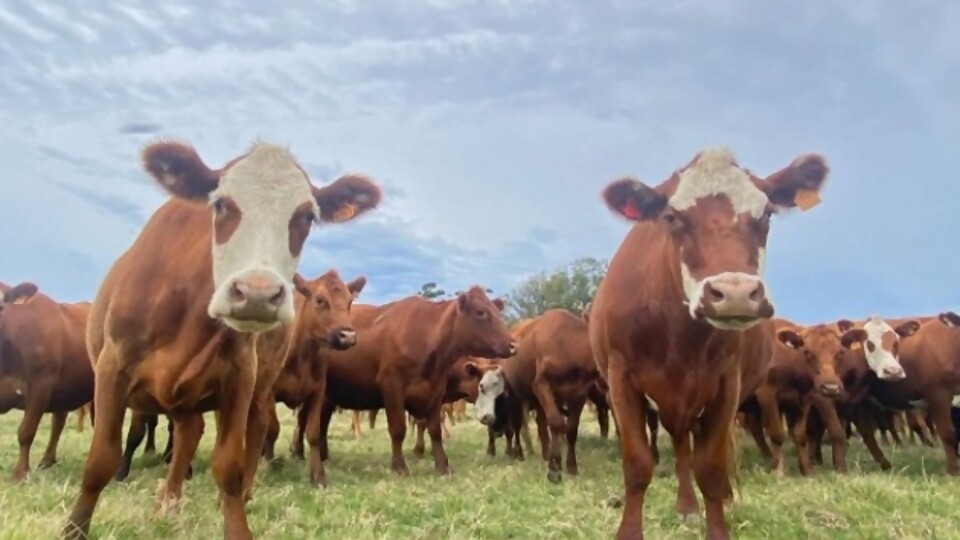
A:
(493, 127)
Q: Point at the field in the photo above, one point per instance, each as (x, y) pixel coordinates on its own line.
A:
(485, 498)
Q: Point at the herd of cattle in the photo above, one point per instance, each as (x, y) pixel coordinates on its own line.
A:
(206, 312)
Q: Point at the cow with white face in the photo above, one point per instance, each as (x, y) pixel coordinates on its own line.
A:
(719, 215)
(174, 327)
(492, 386)
(881, 345)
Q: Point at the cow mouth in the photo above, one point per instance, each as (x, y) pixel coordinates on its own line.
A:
(733, 322)
(253, 326)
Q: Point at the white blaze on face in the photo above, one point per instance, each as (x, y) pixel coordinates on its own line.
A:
(715, 173)
(267, 186)
(492, 384)
(879, 359)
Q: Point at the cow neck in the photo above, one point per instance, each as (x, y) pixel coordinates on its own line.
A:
(443, 348)
(303, 345)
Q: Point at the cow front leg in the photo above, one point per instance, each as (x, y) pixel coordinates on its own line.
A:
(56, 429)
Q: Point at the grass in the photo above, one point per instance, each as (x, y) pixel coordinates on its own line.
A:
(485, 498)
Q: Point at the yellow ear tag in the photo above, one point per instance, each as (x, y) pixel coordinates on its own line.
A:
(345, 212)
(806, 199)
(855, 346)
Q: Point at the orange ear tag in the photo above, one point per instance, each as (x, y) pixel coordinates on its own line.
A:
(855, 346)
(806, 199)
(345, 212)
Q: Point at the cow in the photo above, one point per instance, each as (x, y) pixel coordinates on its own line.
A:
(931, 363)
(44, 367)
(402, 358)
(463, 383)
(144, 426)
(174, 326)
(667, 320)
(553, 373)
(870, 352)
(323, 323)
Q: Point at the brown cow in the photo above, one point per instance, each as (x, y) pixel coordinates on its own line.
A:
(323, 322)
(666, 320)
(874, 356)
(174, 327)
(402, 359)
(553, 371)
(463, 383)
(44, 366)
(931, 361)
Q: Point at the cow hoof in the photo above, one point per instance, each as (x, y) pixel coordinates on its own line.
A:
(886, 466)
(692, 518)
(418, 453)
(614, 502)
(46, 463)
(19, 475)
(401, 470)
(554, 476)
(445, 471)
(573, 471)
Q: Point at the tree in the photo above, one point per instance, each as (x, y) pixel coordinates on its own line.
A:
(571, 287)
(430, 291)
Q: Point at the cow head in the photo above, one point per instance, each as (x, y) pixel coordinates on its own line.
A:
(488, 383)
(262, 206)
(823, 348)
(479, 326)
(718, 217)
(326, 311)
(881, 344)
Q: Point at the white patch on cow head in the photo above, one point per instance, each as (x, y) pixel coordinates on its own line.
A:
(956, 401)
(267, 186)
(715, 172)
(880, 360)
(492, 384)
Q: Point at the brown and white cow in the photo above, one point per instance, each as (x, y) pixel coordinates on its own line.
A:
(44, 366)
(401, 361)
(323, 323)
(665, 321)
(174, 327)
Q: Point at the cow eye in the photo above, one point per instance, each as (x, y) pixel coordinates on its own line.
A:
(871, 346)
(219, 207)
(481, 313)
(321, 301)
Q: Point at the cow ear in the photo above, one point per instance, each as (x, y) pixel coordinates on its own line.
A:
(856, 335)
(498, 303)
(356, 286)
(302, 286)
(178, 168)
(346, 198)
(790, 338)
(907, 329)
(799, 184)
(950, 318)
(843, 325)
(20, 294)
(634, 200)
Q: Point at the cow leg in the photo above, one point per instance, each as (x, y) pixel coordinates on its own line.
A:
(896, 425)
(555, 422)
(56, 429)
(273, 433)
(754, 426)
(81, 415)
(603, 418)
(355, 425)
(943, 425)
(515, 428)
(262, 408)
(575, 409)
(326, 414)
(419, 448)
(815, 431)
(316, 431)
(105, 450)
(135, 436)
(918, 425)
(228, 452)
(523, 430)
(151, 422)
(168, 449)
(773, 425)
(637, 460)
(653, 423)
(492, 443)
(397, 426)
(543, 434)
(798, 429)
(373, 418)
(296, 442)
(435, 426)
(36, 403)
(688, 509)
(838, 436)
(710, 456)
(866, 422)
(187, 433)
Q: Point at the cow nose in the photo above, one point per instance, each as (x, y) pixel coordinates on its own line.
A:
(487, 419)
(344, 338)
(829, 389)
(256, 297)
(893, 373)
(736, 296)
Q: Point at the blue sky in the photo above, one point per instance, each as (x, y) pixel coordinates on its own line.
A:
(493, 127)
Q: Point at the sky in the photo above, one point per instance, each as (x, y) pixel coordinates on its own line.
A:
(493, 126)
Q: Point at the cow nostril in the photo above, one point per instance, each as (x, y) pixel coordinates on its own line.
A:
(715, 294)
(278, 298)
(236, 294)
(757, 294)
